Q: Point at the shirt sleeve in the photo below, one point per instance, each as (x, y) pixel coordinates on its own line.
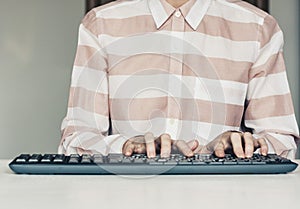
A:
(269, 108)
(85, 129)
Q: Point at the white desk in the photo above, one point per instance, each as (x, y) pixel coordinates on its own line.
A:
(174, 192)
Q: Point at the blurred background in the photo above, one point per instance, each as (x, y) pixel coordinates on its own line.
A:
(38, 41)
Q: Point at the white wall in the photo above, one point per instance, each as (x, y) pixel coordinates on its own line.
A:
(37, 46)
(287, 14)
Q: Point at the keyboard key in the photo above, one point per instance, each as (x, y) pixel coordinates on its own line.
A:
(150, 160)
(216, 163)
(47, 158)
(127, 160)
(231, 162)
(285, 161)
(35, 158)
(74, 158)
(199, 162)
(139, 160)
(162, 160)
(98, 160)
(171, 162)
(86, 158)
(59, 159)
(114, 160)
(23, 158)
(244, 161)
(154, 161)
(258, 162)
(185, 162)
(208, 161)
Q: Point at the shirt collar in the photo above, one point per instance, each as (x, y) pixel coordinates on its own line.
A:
(193, 11)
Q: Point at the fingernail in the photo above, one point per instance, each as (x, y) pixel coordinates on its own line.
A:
(150, 154)
(264, 152)
(241, 156)
(190, 154)
(248, 155)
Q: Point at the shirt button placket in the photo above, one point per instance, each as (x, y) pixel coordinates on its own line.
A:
(175, 73)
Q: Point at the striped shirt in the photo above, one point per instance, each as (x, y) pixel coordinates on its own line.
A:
(193, 72)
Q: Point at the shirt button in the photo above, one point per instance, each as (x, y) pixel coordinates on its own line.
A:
(177, 14)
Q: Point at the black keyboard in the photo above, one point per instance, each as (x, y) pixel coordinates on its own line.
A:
(141, 165)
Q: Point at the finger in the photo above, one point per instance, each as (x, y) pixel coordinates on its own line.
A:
(193, 144)
(150, 145)
(237, 146)
(226, 140)
(165, 149)
(220, 150)
(139, 148)
(249, 146)
(263, 146)
(225, 137)
(125, 146)
(183, 148)
(128, 150)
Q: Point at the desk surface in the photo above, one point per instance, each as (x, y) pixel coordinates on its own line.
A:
(184, 192)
